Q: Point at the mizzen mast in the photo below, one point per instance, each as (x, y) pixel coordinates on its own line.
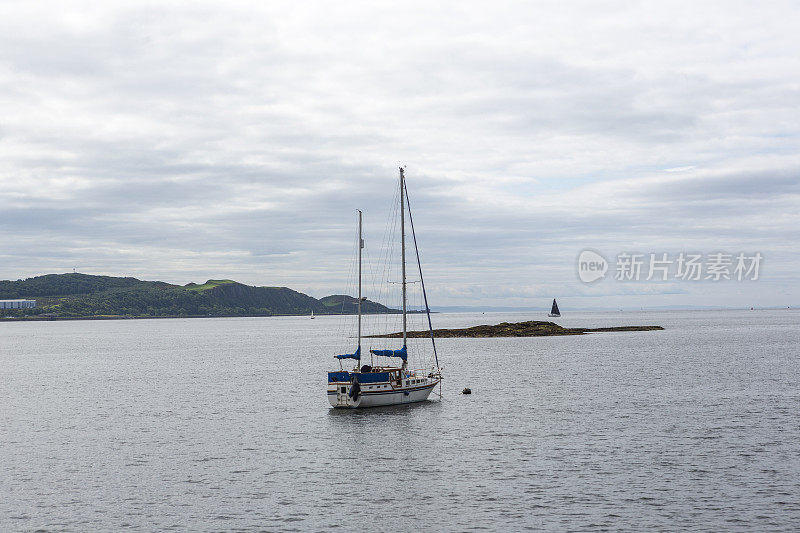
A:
(360, 247)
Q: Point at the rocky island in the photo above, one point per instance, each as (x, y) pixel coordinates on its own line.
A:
(531, 328)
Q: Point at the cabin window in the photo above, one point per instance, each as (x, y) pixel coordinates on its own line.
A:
(344, 389)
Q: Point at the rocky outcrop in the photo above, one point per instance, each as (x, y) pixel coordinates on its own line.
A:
(532, 328)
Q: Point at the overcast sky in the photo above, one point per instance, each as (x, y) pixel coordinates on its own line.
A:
(188, 141)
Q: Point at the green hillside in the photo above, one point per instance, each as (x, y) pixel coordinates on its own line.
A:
(81, 295)
(342, 304)
(210, 284)
(69, 284)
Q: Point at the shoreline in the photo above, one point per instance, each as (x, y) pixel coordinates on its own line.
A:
(122, 317)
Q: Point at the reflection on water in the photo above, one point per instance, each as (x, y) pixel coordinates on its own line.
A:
(223, 424)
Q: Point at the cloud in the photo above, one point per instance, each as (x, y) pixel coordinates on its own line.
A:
(190, 141)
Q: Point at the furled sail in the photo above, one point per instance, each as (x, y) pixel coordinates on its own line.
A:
(401, 353)
(356, 355)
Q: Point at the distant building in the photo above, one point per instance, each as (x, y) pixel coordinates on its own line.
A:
(17, 304)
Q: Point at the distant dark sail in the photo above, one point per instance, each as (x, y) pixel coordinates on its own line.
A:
(554, 311)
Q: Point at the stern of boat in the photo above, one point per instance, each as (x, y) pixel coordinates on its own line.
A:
(340, 391)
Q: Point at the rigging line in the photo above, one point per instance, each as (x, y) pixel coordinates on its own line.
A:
(389, 267)
(422, 282)
(346, 324)
(388, 237)
(377, 277)
(350, 275)
(350, 272)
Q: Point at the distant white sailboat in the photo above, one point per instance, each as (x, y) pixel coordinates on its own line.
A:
(370, 386)
(312, 314)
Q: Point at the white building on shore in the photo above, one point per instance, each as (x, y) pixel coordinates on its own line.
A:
(17, 304)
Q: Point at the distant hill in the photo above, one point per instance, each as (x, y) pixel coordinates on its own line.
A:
(69, 284)
(342, 304)
(82, 295)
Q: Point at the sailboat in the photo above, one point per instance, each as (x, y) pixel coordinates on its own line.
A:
(390, 383)
(312, 314)
(554, 310)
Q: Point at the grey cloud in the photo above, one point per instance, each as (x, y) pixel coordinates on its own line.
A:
(187, 143)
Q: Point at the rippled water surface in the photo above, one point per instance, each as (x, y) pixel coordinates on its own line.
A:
(223, 424)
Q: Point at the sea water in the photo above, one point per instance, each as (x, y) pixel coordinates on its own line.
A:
(224, 425)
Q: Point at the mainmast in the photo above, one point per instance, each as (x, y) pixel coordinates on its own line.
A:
(403, 250)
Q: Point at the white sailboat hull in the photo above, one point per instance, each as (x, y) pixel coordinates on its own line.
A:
(378, 397)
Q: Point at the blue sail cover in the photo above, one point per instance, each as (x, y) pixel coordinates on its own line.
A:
(401, 353)
(356, 355)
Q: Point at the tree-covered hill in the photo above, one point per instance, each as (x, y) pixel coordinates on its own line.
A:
(82, 295)
(343, 304)
(69, 284)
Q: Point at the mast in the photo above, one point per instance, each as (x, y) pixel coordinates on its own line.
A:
(403, 250)
(360, 246)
